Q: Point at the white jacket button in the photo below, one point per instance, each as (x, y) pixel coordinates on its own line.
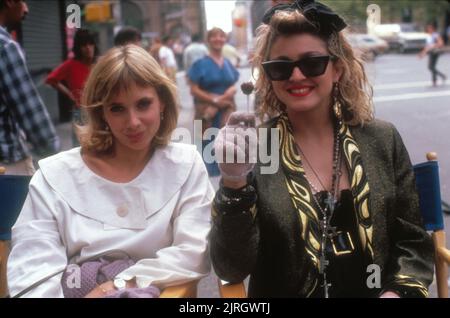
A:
(122, 211)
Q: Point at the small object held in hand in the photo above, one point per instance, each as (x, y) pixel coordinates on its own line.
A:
(237, 143)
(247, 88)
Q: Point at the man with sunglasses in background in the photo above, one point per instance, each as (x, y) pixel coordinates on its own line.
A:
(23, 116)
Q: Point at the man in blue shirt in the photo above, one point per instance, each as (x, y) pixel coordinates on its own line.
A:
(23, 116)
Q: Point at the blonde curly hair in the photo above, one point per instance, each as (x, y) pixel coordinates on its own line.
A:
(355, 92)
(116, 71)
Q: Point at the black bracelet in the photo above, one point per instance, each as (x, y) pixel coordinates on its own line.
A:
(236, 195)
(232, 201)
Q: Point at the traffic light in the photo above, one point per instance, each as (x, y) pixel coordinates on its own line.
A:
(98, 12)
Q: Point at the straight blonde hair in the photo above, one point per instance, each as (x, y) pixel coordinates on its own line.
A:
(116, 71)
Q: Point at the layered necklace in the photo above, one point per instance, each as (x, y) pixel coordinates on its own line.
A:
(327, 230)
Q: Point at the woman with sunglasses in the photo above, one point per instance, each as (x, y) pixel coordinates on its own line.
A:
(340, 216)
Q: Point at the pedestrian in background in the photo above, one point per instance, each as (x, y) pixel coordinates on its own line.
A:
(432, 48)
(447, 34)
(69, 77)
(232, 54)
(154, 49)
(167, 59)
(178, 48)
(23, 116)
(193, 52)
(128, 35)
(212, 80)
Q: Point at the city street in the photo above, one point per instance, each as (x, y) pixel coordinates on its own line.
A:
(53, 50)
(403, 96)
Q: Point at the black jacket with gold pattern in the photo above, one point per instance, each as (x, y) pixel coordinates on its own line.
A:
(258, 231)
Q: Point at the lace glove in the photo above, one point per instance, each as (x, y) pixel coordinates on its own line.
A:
(236, 147)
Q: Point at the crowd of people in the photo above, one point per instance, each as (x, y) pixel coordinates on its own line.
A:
(136, 213)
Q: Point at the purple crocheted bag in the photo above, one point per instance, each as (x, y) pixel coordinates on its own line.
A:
(78, 280)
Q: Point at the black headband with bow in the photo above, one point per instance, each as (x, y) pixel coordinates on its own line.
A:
(326, 19)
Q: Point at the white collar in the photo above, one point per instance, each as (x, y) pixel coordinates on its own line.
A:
(97, 198)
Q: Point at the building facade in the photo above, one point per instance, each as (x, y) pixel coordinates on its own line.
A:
(46, 39)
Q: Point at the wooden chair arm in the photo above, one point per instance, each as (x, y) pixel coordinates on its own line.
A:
(441, 258)
(4, 251)
(444, 254)
(227, 290)
(186, 290)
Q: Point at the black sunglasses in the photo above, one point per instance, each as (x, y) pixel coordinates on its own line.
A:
(311, 66)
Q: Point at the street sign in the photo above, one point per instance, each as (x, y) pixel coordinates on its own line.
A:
(98, 12)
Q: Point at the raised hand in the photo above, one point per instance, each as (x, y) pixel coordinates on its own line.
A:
(236, 148)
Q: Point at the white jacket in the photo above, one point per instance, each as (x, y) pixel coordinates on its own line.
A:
(161, 219)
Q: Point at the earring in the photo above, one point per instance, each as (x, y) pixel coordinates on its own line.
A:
(337, 107)
(107, 137)
(161, 115)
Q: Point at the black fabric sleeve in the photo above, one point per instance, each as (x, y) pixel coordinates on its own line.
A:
(234, 236)
(410, 266)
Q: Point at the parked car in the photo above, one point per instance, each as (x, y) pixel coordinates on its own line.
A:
(368, 46)
(402, 37)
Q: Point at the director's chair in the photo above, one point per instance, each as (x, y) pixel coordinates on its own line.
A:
(428, 188)
(13, 191)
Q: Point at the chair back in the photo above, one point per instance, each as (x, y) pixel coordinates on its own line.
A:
(428, 187)
(13, 191)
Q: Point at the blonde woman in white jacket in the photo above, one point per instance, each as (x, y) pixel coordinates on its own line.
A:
(126, 188)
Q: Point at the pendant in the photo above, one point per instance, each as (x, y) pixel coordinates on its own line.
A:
(325, 286)
(323, 264)
(330, 231)
(342, 243)
(330, 201)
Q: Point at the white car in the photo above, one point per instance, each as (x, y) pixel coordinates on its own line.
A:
(368, 46)
(402, 37)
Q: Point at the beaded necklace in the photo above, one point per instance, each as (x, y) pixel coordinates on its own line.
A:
(327, 230)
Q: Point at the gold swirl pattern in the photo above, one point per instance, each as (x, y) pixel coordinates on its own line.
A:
(301, 195)
(299, 190)
(360, 188)
(408, 281)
